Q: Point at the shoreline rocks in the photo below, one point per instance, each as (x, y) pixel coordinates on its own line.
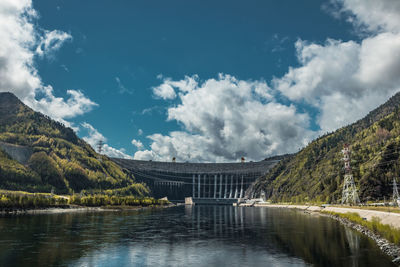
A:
(387, 247)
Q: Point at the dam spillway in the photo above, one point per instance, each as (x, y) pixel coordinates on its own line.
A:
(204, 182)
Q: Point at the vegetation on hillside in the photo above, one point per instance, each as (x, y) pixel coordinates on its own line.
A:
(60, 161)
(315, 174)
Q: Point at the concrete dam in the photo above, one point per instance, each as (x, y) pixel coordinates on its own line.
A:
(222, 183)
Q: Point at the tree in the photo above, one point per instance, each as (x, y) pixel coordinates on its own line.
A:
(47, 169)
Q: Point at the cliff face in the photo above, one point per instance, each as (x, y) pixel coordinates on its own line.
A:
(316, 172)
(38, 154)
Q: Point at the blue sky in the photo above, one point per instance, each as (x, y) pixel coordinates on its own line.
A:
(126, 59)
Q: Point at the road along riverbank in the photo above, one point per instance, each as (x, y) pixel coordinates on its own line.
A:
(388, 218)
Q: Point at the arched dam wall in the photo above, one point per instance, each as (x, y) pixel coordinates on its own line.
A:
(218, 181)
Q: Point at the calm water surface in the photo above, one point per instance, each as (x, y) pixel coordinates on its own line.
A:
(184, 236)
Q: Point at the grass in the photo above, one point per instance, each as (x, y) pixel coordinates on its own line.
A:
(386, 231)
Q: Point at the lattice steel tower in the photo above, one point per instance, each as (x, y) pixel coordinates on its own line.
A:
(349, 194)
(100, 145)
(396, 197)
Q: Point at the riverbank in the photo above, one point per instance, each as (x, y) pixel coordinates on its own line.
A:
(339, 214)
(78, 209)
(390, 218)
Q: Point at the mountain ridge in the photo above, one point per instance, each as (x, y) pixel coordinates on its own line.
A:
(60, 160)
(315, 173)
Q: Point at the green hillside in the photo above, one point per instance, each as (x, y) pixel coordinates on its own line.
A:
(58, 160)
(316, 172)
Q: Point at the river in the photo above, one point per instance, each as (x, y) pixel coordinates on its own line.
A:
(184, 236)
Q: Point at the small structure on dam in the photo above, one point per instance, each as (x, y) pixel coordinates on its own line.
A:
(206, 183)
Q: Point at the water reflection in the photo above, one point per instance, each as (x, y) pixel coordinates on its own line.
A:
(182, 236)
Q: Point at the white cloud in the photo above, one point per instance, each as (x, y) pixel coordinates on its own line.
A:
(165, 91)
(121, 87)
(140, 132)
(375, 16)
(153, 109)
(344, 80)
(145, 155)
(225, 119)
(51, 41)
(138, 144)
(94, 137)
(77, 104)
(21, 41)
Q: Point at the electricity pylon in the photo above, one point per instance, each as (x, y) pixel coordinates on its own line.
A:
(349, 194)
(396, 197)
(100, 144)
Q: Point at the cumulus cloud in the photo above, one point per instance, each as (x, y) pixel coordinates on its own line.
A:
(93, 138)
(225, 119)
(77, 104)
(372, 15)
(164, 91)
(138, 144)
(345, 80)
(21, 42)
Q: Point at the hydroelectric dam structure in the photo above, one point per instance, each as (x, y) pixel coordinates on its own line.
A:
(206, 183)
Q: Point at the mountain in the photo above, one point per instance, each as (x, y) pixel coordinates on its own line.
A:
(38, 154)
(316, 172)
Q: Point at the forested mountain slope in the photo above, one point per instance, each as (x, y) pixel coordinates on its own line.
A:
(316, 172)
(57, 160)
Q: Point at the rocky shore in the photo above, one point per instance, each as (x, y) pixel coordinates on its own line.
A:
(388, 248)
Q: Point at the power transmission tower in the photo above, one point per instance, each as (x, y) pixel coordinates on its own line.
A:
(349, 194)
(100, 144)
(396, 197)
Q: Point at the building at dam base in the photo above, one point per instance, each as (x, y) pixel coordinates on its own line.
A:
(205, 183)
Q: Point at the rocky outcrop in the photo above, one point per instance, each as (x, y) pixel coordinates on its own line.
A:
(19, 153)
